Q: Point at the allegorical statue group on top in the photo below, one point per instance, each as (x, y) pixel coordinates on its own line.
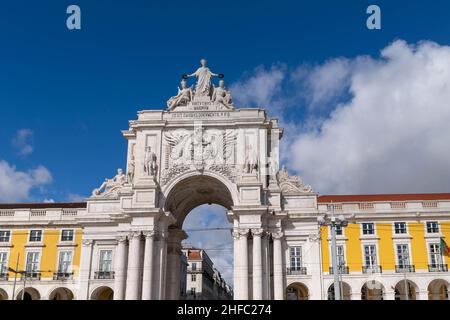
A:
(204, 90)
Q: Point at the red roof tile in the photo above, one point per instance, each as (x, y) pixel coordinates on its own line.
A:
(58, 205)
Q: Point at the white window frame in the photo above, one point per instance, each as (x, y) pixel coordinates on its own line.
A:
(406, 228)
(375, 245)
(9, 238)
(369, 234)
(408, 245)
(58, 257)
(6, 253)
(297, 257)
(99, 264)
(433, 233)
(441, 256)
(36, 242)
(67, 241)
(39, 252)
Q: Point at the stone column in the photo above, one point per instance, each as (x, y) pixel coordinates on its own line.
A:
(257, 265)
(278, 287)
(240, 270)
(133, 281)
(160, 267)
(173, 267)
(147, 277)
(84, 270)
(120, 268)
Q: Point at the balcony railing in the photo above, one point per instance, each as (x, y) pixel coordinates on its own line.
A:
(405, 268)
(342, 270)
(62, 275)
(31, 275)
(296, 271)
(437, 268)
(371, 269)
(4, 276)
(104, 275)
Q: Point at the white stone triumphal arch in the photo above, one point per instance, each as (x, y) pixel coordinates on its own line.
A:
(201, 149)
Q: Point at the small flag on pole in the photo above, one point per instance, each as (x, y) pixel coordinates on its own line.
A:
(445, 249)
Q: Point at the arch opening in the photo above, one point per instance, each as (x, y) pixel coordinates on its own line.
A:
(438, 290)
(3, 295)
(345, 291)
(406, 290)
(372, 290)
(102, 293)
(61, 294)
(297, 291)
(208, 250)
(195, 191)
(30, 294)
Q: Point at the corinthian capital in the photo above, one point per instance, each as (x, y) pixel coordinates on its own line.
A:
(121, 239)
(277, 235)
(238, 233)
(149, 234)
(257, 232)
(134, 234)
(87, 242)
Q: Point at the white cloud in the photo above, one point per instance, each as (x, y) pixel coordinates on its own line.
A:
(16, 185)
(218, 243)
(387, 128)
(21, 141)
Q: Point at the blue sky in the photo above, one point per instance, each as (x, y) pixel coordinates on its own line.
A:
(77, 89)
(364, 111)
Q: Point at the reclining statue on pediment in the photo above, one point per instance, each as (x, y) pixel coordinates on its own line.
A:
(110, 186)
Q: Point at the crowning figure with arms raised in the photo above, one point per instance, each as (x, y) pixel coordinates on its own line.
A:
(204, 75)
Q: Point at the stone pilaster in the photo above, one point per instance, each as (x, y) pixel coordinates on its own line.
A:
(133, 272)
(84, 273)
(147, 277)
(240, 272)
(120, 268)
(278, 286)
(257, 265)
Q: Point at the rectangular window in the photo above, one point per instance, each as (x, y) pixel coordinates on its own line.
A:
(338, 230)
(400, 227)
(32, 262)
(105, 260)
(403, 255)
(65, 262)
(370, 255)
(296, 258)
(67, 235)
(5, 235)
(3, 263)
(193, 291)
(340, 256)
(432, 227)
(35, 235)
(194, 266)
(435, 255)
(368, 228)
(193, 277)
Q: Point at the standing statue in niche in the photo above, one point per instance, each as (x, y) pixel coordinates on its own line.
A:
(222, 96)
(183, 97)
(203, 75)
(130, 171)
(251, 160)
(111, 185)
(150, 162)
